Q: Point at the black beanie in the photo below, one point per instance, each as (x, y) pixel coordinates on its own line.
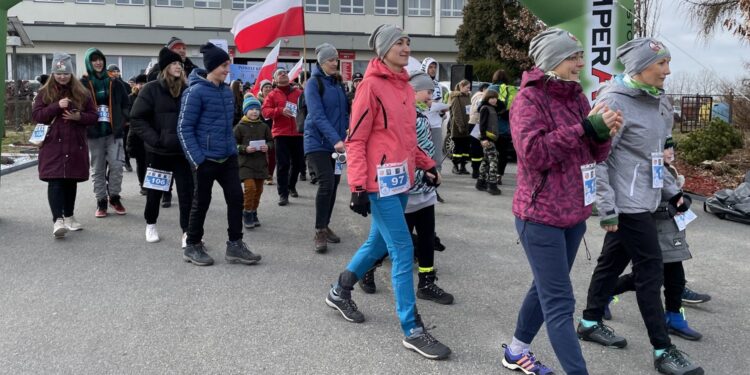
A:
(166, 57)
(213, 56)
(141, 78)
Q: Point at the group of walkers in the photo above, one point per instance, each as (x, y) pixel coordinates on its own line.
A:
(195, 131)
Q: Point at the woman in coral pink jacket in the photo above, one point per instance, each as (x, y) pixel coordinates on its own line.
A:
(382, 156)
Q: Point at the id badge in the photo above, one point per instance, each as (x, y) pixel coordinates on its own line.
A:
(338, 168)
(103, 112)
(393, 178)
(683, 220)
(157, 179)
(588, 175)
(657, 170)
(292, 108)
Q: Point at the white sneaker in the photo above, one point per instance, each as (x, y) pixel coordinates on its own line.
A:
(72, 224)
(184, 240)
(59, 229)
(151, 234)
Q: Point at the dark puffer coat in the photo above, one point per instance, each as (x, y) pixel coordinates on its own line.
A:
(154, 118)
(65, 151)
(252, 165)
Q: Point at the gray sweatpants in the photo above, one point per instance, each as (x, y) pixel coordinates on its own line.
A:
(106, 152)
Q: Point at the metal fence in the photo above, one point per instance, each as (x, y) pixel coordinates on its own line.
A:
(695, 111)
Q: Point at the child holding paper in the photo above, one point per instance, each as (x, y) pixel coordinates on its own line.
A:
(253, 142)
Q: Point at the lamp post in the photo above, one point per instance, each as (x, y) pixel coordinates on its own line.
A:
(15, 42)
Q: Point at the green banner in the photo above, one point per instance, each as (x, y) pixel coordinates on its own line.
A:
(600, 25)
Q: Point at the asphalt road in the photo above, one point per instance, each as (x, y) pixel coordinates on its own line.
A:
(103, 301)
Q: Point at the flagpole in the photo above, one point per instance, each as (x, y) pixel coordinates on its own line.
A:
(304, 50)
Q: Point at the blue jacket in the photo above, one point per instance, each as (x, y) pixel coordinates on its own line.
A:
(327, 117)
(205, 123)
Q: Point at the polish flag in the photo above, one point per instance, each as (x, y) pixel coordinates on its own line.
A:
(264, 22)
(269, 66)
(296, 70)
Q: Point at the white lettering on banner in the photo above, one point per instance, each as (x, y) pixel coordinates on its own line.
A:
(601, 47)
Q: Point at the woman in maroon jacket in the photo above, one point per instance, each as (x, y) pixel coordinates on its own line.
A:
(66, 106)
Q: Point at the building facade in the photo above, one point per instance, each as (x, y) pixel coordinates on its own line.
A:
(131, 32)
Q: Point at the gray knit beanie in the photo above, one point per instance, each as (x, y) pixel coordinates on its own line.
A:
(550, 47)
(384, 37)
(62, 63)
(638, 54)
(420, 81)
(326, 52)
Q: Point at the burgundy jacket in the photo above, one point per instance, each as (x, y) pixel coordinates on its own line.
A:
(545, 122)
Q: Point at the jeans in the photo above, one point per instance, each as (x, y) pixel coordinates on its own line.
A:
(227, 174)
(636, 239)
(390, 236)
(323, 165)
(182, 176)
(290, 158)
(61, 194)
(106, 152)
(551, 252)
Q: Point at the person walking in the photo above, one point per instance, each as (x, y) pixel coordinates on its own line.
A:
(154, 118)
(488, 134)
(205, 131)
(381, 163)
(325, 132)
(67, 107)
(460, 108)
(105, 137)
(558, 138)
(134, 143)
(254, 141)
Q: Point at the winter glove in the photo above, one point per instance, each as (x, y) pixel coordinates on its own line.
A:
(360, 203)
(595, 128)
(431, 181)
(610, 221)
(674, 209)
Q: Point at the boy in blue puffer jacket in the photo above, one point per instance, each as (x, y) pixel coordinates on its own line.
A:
(205, 131)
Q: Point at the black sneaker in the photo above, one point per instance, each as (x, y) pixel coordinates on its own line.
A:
(676, 362)
(196, 254)
(692, 297)
(237, 252)
(368, 282)
(346, 307)
(426, 345)
(283, 200)
(293, 193)
(433, 292)
(601, 334)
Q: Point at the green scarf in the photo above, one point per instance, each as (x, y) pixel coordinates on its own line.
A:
(648, 89)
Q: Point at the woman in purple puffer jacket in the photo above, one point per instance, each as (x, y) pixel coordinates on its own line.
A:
(558, 138)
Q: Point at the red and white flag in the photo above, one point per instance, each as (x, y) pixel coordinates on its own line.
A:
(296, 70)
(264, 22)
(269, 66)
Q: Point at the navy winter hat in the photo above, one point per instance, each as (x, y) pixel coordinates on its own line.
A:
(213, 56)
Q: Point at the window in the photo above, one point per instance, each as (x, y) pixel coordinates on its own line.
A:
(420, 7)
(90, 1)
(212, 4)
(452, 8)
(169, 3)
(352, 7)
(318, 6)
(129, 2)
(386, 7)
(131, 66)
(244, 4)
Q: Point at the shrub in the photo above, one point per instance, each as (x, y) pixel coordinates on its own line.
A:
(710, 143)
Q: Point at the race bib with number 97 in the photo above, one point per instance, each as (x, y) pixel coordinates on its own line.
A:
(393, 178)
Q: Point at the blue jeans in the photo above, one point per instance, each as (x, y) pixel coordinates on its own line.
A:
(551, 252)
(390, 235)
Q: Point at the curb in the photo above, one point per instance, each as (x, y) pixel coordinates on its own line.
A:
(18, 167)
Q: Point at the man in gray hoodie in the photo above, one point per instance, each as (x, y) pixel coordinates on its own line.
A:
(629, 186)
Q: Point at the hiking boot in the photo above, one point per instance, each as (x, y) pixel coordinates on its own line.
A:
(196, 254)
(481, 185)
(115, 202)
(462, 169)
(293, 193)
(439, 245)
(321, 241)
(426, 289)
(493, 190)
(678, 325)
(692, 297)
(59, 229)
(526, 362)
(237, 252)
(676, 362)
(256, 222)
(283, 200)
(455, 169)
(367, 284)
(247, 219)
(425, 344)
(151, 234)
(166, 199)
(345, 306)
(332, 237)
(602, 335)
(101, 208)
(72, 224)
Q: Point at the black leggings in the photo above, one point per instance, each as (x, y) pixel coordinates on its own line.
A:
(424, 222)
(61, 194)
(181, 172)
(674, 284)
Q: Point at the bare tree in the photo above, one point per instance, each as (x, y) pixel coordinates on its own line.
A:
(731, 15)
(645, 17)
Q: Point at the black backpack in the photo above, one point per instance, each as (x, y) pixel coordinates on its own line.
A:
(302, 106)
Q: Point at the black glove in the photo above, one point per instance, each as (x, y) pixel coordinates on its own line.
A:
(431, 181)
(674, 209)
(360, 203)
